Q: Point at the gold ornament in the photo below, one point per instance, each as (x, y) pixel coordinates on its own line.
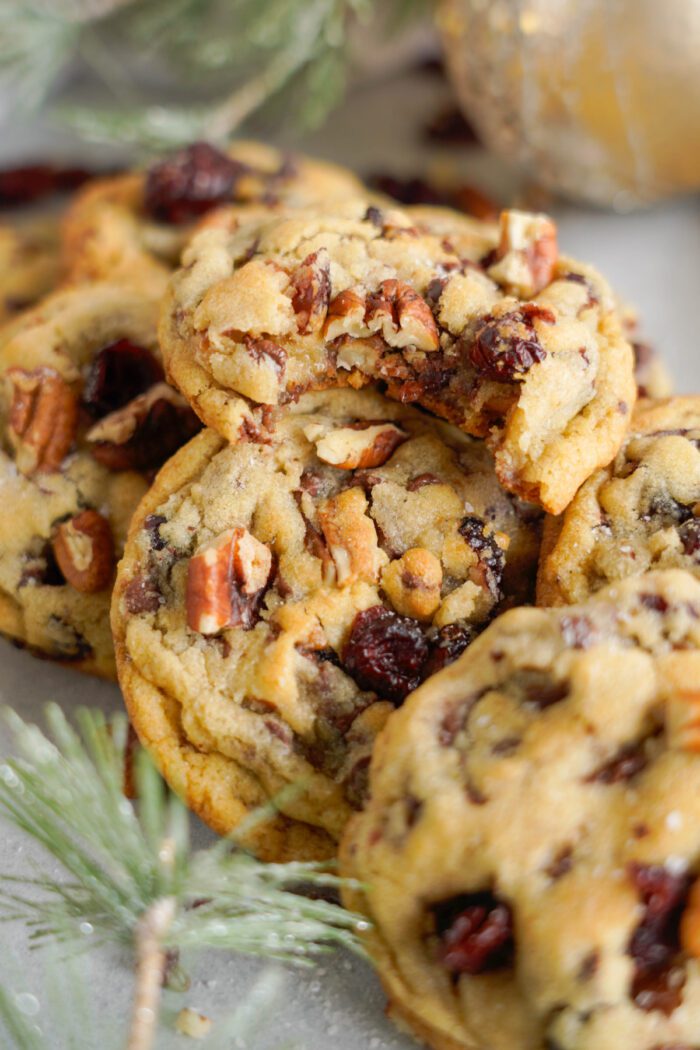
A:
(599, 99)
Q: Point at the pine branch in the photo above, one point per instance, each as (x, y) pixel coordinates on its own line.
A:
(131, 877)
(237, 56)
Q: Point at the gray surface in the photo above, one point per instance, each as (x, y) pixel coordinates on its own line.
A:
(653, 259)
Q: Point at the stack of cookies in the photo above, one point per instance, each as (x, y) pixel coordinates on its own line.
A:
(417, 565)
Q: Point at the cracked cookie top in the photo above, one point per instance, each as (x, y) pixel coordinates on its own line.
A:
(642, 512)
(278, 600)
(132, 227)
(85, 419)
(530, 851)
(492, 330)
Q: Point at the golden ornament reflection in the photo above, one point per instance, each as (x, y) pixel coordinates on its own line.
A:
(599, 99)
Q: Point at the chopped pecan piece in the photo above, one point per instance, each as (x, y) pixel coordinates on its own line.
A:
(360, 446)
(84, 549)
(43, 418)
(402, 316)
(412, 583)
(144, 433)
(311, 290)
(226, 581)
(527, 253)
(345, 315)
(351, 536)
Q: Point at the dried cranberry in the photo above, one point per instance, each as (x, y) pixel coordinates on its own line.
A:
(31, 182)
(41, 569)
(463, 197)
(375, 216)
(163, 430)
(655, 944)
(476, 933)
(434, 291)
(492, 558)
(655, 602)
(385, 653)
(450, 126)
(119, 373)
(537, 687)
(451, 641)
(630, 760)
(407, 191)
(188, 183)
(152, 526)
(689, 533)
(142, 595)
(506, 347)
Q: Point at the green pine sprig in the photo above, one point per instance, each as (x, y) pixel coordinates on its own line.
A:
(228, 59)
(131, 877)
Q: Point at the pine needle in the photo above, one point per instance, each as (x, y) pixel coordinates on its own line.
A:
(119, 861)
(131, 878)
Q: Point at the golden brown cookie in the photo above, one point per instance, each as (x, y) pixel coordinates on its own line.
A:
(85, 418)
(641, 512)
(29, 263)
(530, 852)
(519, 346)
(132, 227)
(277, 600)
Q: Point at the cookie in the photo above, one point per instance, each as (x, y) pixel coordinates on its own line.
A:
(277, 600)
(530, 852)
(517, 345)
(642, 512)
(29, 264)
(132, 227)
(653, 378)
(85, 418)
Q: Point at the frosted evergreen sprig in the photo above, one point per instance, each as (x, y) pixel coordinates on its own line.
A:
(131, 876)
(227, 59)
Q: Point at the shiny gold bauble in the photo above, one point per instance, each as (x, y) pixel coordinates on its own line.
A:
(599, 99)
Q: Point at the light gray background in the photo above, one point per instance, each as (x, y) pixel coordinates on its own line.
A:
(653, 260)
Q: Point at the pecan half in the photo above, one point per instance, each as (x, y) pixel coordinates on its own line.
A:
(84, 549)
(144, 433)
(527, 253)
(226, 581)
(311, 291)
(43, 418)
(360, 445)
(402, 316)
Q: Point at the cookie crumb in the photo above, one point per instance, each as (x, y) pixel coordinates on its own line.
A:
(193, 1024)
